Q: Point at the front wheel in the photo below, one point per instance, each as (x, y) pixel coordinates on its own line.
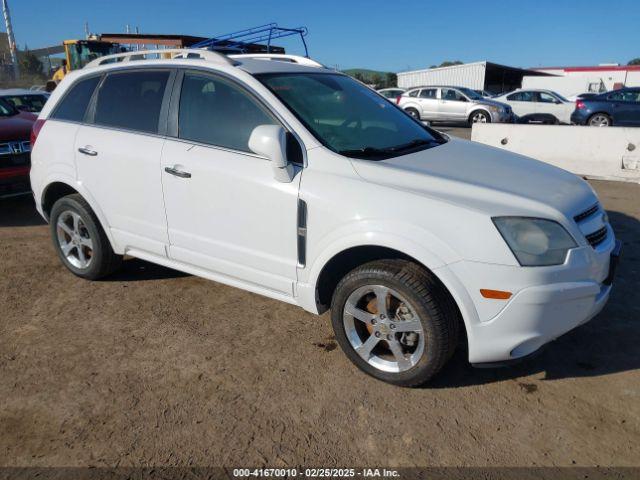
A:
(480, 116)
(395, 321)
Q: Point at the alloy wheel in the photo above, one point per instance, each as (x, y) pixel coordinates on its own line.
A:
(383, 328)
(74, 239)
(599, 121)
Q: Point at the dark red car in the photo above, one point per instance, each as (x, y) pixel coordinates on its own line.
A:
(15, 149)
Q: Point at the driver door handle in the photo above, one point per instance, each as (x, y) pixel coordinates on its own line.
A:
(87, 151)
(177, 173)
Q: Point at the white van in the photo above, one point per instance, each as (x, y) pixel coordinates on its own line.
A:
(301, 184)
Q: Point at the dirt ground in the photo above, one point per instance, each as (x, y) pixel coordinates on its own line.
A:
(154, 367)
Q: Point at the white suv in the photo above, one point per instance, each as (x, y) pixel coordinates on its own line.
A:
(301, 184)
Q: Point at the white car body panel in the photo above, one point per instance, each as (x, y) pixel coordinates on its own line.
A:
(234, 223)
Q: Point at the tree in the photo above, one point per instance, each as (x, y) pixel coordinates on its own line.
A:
(390, 80)
(376, 80)
(358, 76)
(635, 61)
(448, 63)
(30, 64)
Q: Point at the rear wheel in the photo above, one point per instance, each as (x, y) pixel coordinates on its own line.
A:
(80, 240)
(395, 321)
(479, 116)
(413, 112)
(600, 120)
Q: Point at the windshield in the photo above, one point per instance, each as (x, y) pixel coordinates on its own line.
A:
(348, 117)
(6, 109)
(560, 97)
(28, 103)
(84, 52)
(472, 94)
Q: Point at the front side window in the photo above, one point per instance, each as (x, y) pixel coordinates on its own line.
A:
(453, 95)
(216, 112)
(131, 100)
(349, 118)
(74, 104)
(546, 98)
(7, 109)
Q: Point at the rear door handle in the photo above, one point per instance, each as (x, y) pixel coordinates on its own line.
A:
(177, 173)
(88, 151)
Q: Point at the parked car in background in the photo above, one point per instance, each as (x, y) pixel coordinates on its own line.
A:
(25, 100)
(15, 148)
(453, 104)
(393, 94)
(616, 108)
(580, 96)
(538, 106)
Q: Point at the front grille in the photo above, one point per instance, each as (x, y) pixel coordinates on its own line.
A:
(17, 160)
(597, 237)
(587, 213)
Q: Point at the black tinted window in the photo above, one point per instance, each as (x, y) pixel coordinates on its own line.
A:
(131, 100)
(74, 104)
(215, 112)
(430, 93)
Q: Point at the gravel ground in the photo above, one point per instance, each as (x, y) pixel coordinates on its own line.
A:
(154, 367)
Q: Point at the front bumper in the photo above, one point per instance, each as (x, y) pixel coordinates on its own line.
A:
(551, 305)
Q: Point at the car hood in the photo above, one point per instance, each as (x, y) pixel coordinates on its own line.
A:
(487, 101)
(483, 178)
(16, 127)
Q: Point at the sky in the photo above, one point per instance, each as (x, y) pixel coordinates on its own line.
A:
(393, 35)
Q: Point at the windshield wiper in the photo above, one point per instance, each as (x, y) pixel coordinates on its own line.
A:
(366, 152)
(418, 142)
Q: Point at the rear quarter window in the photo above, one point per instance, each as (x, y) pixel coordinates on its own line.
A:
(73, 105)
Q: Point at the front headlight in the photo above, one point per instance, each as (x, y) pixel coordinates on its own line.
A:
(494, 109)
(535, 242)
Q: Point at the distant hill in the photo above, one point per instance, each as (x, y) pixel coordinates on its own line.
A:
(382, 79)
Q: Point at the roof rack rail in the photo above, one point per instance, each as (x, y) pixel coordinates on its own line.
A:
(282, 57)
(176, 53)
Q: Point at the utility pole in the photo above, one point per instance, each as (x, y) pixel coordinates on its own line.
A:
(12, 40)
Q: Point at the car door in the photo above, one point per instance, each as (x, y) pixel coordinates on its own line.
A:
(428, 103)
(118, 155)
(226, 213)
(522, 103)
(550, 104)
(626, 108)
(452, 105)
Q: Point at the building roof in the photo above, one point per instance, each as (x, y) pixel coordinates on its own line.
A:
(595, 68)
(472, 64)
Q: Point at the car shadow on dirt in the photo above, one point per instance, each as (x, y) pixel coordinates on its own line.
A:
(19, 211)
(136, 270)
(607, 344)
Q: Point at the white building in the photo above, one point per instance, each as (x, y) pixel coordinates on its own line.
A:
(477, 75)
(570, 81)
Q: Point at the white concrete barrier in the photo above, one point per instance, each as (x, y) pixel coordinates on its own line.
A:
(611, 153)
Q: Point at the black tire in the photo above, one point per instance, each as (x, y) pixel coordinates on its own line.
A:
(477, 114)
(103, 260)
(604, 116)
(432, 303)
(413, 112)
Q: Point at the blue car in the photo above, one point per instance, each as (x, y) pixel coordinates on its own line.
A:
(619, 107)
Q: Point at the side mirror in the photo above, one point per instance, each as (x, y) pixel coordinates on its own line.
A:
(271, 142)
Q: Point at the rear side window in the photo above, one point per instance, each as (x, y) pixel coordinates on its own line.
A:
(131, 100)
(74, 104)
(413, 93)
(521, 97)
(216, 112)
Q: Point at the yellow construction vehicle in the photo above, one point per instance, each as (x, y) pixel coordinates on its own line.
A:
(80, 52)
